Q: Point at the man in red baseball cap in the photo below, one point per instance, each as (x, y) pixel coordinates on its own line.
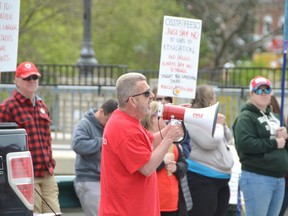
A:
(28, 110)
(26, 69)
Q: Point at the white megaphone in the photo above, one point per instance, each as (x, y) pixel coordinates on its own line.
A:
(205, 118)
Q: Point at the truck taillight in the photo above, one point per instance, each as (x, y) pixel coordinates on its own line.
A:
(21, 176)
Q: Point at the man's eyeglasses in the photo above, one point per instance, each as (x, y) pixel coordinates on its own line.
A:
(34, 77)
(146, 94)
(260, 91)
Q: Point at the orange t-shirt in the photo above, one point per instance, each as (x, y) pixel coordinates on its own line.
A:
(168, 188)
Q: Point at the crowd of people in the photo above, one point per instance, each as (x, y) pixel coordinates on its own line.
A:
(129, 161)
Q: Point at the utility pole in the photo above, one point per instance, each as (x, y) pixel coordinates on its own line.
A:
(87, 54)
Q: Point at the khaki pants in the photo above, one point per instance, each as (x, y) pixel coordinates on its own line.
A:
(48, 189)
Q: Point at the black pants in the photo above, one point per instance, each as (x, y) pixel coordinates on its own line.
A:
(210, 195)
(175, 213)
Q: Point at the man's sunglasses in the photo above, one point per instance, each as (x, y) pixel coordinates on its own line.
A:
(34, 77)
(146, 94)
(260, 91)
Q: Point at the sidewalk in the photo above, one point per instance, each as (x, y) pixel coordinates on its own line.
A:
(65, 159)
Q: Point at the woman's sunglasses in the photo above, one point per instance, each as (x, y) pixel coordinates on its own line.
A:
(260, 91)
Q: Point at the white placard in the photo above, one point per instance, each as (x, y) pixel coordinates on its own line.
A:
(234, 181)
(9, 29)
(179, 57)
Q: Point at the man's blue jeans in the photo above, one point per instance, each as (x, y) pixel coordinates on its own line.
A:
(263, 195)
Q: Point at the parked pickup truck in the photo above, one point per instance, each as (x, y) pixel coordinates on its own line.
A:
(17, 181)
(16, 172)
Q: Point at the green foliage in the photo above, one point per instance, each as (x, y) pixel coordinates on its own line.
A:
(130, 32)
(3, 95)
(50, 31)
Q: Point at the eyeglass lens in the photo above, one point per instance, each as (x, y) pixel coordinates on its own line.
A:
(260, 91)
(146, 93)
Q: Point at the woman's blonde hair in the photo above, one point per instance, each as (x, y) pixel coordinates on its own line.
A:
(146, 121)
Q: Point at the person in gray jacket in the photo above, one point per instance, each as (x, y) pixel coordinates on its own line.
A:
(210, 161)
(87, 143)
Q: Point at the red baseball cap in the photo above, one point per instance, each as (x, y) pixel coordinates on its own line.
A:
(26, 69)
(258, 81)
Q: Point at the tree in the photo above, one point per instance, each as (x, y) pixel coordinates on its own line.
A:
(130, 32)
(48, 31)
(228, 26)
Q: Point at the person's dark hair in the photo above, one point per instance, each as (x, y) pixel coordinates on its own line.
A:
(109, 106)
(274, 105)
(166, 99)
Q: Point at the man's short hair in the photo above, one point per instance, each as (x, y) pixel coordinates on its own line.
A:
(109, 106)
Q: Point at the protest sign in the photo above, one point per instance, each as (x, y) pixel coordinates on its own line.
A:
(9, 28)
(179, 57)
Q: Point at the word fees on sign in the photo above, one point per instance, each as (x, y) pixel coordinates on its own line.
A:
(9, 28)
(179, 57)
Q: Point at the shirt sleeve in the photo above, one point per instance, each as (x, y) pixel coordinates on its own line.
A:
(4, 113)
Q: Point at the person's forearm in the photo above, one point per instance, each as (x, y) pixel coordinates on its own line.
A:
(156, 157)
(85, 147)
(158, 137)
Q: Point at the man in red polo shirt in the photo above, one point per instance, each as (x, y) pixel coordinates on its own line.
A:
(30, 113)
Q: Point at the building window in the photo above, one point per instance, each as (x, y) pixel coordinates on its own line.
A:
(267, 24)
(281, 22)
